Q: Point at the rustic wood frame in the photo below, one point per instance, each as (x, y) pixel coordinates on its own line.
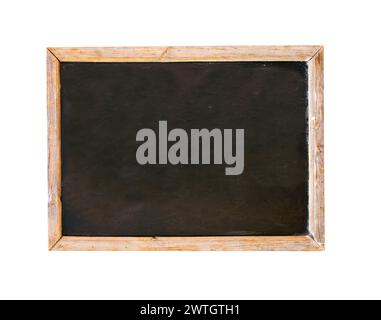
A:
(313, 55)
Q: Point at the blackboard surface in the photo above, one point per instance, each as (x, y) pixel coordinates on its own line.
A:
(105, 192)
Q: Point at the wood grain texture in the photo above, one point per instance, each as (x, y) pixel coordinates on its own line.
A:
(293, 243)
(54, 149)
(316, 147)
(173, 54)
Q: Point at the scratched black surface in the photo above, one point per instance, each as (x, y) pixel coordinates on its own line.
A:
(106, 193)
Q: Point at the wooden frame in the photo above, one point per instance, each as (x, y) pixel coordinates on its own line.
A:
(313, 55)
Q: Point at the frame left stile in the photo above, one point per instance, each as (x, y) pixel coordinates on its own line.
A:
(54, 150)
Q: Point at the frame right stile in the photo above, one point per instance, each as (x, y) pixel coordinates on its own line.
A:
(316, 146)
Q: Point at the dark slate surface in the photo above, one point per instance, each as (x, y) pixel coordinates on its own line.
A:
(106, 193)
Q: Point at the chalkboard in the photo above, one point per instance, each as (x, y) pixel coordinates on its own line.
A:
(185, 149)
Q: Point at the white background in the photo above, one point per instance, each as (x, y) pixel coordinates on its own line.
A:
(351, 265)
